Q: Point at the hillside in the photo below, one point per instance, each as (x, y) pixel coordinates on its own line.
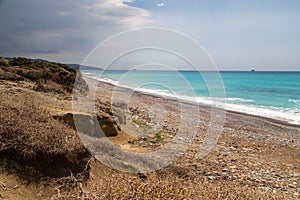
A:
(38, 142)
(47, 76)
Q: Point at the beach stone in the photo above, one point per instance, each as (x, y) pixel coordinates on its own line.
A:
(291, 186)
(16, 187)
(225, 170)
(276, 186)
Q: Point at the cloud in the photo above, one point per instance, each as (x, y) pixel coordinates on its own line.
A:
(118, 12)
(57, 28)
(161, 4)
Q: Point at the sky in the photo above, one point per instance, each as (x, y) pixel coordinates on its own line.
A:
(238, 35)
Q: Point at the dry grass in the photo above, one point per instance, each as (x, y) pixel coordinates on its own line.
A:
(29, 136)
(115, 185)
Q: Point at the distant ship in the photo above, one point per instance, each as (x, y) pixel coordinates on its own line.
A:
(252, 70)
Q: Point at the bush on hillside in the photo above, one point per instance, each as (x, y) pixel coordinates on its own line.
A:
(30, 137)
(43, 73)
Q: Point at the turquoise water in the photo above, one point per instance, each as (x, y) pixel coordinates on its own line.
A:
(269, 94)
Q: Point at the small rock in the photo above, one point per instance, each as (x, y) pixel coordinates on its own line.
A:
(3, 185)
(232, 148)
(276, 186)
(291, 186)
(268, 188)
(215, 172)
(224, 170)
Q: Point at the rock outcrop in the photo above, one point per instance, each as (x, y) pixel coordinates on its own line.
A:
(99, 125)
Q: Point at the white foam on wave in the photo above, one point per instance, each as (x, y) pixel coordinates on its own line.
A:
(295, 100)
(159, 92)
(239, 100)
(289, 115)
(282, 114)
(88, 73)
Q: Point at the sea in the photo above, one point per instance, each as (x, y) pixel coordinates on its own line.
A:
(273, 95)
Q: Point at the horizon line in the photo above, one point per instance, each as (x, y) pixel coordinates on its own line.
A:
(180, 70)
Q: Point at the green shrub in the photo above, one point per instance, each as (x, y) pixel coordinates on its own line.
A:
(19, 61)
(48, 74)
(3, 62)
(43, 72)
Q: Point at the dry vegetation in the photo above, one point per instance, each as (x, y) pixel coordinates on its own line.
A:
(164, 184)
(29, 136)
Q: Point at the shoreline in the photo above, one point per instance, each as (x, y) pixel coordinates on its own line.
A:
(200, 104)
(253, 150)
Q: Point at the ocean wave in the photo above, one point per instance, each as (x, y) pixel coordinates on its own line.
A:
(296, 101)
(287, 115)
(284, 114)
(88, 73)
(160, 92)
(239, 100)
(231, 104)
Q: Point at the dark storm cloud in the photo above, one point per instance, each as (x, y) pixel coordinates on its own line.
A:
(45, 27)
